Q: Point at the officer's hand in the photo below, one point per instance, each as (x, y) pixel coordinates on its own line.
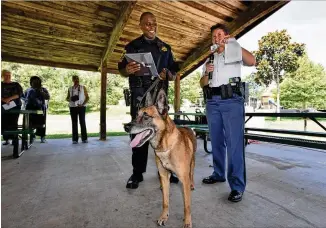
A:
(225, 40)
(162, 75)
(209, 67)
(132, 67)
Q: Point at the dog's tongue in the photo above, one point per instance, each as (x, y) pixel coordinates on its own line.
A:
(139, 137)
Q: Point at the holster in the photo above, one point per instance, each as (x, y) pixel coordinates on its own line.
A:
(207, 93)
(226, 91)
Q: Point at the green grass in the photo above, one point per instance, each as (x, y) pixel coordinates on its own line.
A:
(65, 136)
(65, 110)
(283, 118)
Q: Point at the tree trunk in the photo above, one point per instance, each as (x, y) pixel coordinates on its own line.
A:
(278, 94)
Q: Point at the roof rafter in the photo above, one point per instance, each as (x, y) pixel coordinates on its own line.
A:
(121, 22)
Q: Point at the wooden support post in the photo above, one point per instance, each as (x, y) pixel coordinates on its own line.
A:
(177, 94)
(103, 102)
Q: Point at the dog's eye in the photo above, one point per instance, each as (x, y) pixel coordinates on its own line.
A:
(146, 116)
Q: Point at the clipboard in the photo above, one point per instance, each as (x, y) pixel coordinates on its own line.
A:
(146, 61)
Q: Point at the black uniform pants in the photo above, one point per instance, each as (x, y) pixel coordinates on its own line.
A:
(37, 121)
(9, 121)
(139, 154)
(80, 112)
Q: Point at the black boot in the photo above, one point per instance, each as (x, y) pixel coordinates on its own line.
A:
(174, 178)
(134, 180)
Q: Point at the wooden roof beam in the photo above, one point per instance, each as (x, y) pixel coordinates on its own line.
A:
(121, 22)
(9, 58)
(256, 11)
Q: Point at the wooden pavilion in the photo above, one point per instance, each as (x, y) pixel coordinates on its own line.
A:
(91, 35)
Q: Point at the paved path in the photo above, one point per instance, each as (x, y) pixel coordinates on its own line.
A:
(58, 184)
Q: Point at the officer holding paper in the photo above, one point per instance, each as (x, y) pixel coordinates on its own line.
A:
(139, 82)
(221, 81)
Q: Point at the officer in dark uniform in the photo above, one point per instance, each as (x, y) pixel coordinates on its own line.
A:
(167, 68)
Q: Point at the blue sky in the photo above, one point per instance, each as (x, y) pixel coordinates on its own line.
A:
(305, 21)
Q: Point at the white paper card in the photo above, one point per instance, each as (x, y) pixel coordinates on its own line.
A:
(233, 51)
(11, 105)
(146, 61)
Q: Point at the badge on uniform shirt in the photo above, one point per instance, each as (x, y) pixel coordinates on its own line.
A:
(164, 49)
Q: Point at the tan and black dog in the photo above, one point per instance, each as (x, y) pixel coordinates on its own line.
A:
(174, 150)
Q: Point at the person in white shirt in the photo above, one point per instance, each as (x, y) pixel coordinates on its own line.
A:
(225, 112)
(78, 97)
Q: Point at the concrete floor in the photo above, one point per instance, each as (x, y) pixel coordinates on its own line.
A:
(58, 184)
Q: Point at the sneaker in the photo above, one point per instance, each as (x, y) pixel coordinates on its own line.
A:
(85, 141)
(43, 140)
(74, 142)
(6, 143)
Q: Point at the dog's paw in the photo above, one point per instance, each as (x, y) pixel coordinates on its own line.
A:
(163, 219)
(187, 225)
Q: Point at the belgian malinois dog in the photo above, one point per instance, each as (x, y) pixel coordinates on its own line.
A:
(174, 150)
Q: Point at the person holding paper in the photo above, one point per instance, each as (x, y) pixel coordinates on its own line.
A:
(78, 97)
(35, 98)
(221, 80)
(139, 83)
(10, 100)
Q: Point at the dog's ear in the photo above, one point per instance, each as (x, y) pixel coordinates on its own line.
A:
(161, 102)
(148, 101)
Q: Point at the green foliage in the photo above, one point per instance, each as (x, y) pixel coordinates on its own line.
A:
(255, 90)
(306, 87)
(276, 54)
(275, 57)
(189, 88)
(58, 80)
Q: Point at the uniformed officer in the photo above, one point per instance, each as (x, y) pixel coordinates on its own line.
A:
(165, 64)
(225, 114)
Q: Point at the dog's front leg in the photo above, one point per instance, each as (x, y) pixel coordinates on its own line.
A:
(185, 179)
(165, 183)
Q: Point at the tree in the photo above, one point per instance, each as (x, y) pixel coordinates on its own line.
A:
(189, 88)
(275, 57)
(255, 89)
(306, 87)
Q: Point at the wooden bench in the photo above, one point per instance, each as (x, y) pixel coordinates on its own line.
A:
(317, 144)
(23, 134)
(203, 133)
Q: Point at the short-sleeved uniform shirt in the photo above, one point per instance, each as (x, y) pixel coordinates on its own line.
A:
(222, 71)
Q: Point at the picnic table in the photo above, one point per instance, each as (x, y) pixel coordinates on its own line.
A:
(202, 130)
(251, 133)
(23, 131)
